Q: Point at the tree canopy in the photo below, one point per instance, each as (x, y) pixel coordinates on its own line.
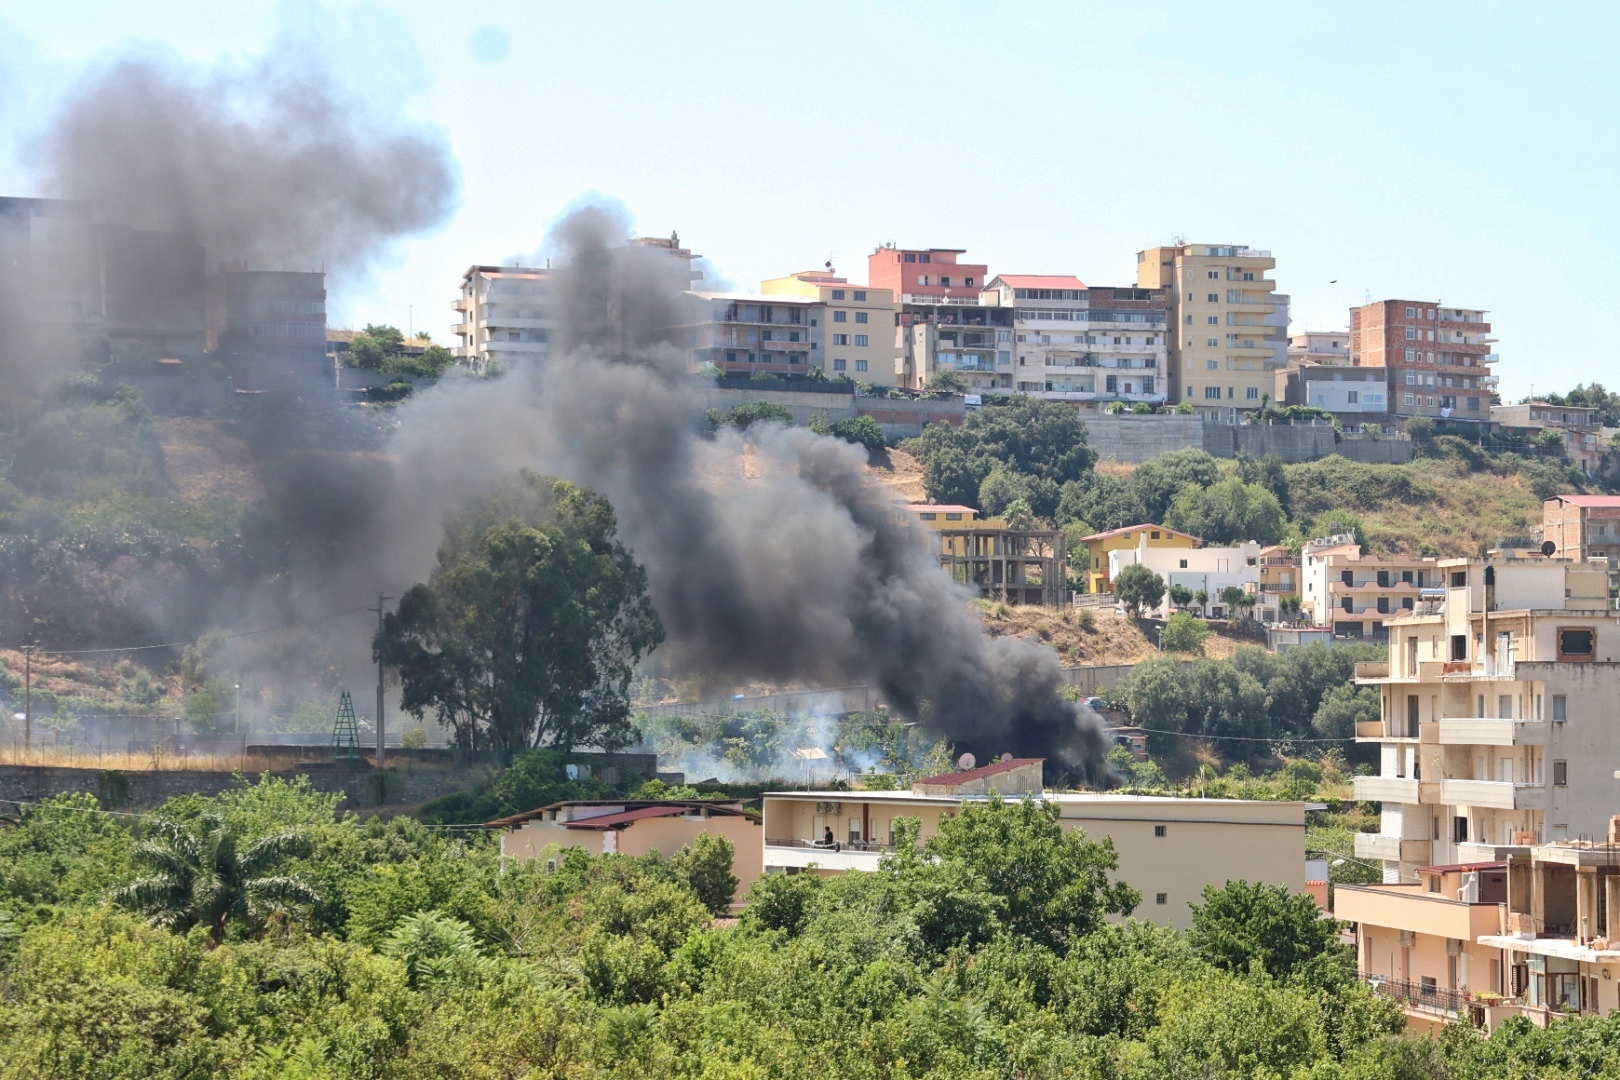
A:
(1138, 588)
(528, 629)
(1044, 441)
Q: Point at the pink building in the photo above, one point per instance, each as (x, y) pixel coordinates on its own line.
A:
(925, 275)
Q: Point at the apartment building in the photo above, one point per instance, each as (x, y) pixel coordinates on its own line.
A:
(1169, 849)
(926, 275)
(1100, 546)
(1578, 425)
(1354, 593)
(268, 326)
(1583, 527)
(856, 337)
(1089, 346)
(975, 341)
(1279, 577)
(746, 333)
(1436, 359)
(502, 321)
(1353, 395)
(1497, 715)
(1208, 570)
(1328, 348)
(1228, 324)
(1531, 935)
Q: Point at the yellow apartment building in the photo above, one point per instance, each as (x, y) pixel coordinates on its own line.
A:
(1169, 849)
(857, 336)
(1129, 538)
(1228, 326)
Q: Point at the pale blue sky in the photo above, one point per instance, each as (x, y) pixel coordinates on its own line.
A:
(1459, 152)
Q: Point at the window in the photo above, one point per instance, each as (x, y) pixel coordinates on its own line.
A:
(514, 335)
(860, 294)
(945, 281)
(1560, 712)
(1410, 313)
(910, 257)
(840, 316)
(838, 365)
(1575, 644)
(1459, 579)
(1161, 830)
(1353, 397)
(968, 282)
(1214, 320)
(1253, 393)
(1214, 297)
(860, 339)
(860, 316)
(860, 365)
(1212, 365)
(1411, 334)
(840, 339)
(1161, 898)
(1459, 830)
(1560, 774)
(1214, 275)
(1183, 564)
(838, 294)
(1212, 392)
(1408, 398)
(924, 257)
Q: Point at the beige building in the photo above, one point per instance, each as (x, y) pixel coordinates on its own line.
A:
(1578, 426)
(501, 317)
(1328, 348)
(1497, 721)
(1356, 594)
(635, 827)
(1228, 332)
(1169, 849)
(1530, 935)
(856, 336)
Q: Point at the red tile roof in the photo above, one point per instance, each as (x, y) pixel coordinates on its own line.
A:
(982, 771)
(1132, 528)
(1605, 502)
(604, 821)
(1041, 281)
(665, 808)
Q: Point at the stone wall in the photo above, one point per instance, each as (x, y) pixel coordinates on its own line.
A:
(1135, 439)
(900, 418)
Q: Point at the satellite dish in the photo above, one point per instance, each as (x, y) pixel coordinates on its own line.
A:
(1004, 757)
(1548, 547)
(966, 761)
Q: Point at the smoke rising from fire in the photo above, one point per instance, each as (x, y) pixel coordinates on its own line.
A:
(275, 164)
(769, 554)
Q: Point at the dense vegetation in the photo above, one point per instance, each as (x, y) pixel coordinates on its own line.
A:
(1457, 497)
(985, 952)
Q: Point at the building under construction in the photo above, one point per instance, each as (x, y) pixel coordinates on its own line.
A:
(1019, 566)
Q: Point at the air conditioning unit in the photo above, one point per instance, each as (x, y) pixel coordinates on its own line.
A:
(1407, 939)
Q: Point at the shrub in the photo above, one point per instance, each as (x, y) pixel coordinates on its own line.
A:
(1184, 632)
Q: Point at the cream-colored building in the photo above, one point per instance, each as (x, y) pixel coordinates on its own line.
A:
(1228, 324)
(636, 827)
(1357, 594)
(502, 319)
(1498, 706)
(1533, 935)
(856, 336)
(1169, 849)
(1329, 348)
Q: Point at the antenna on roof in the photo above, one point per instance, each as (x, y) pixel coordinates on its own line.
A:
(966, 761)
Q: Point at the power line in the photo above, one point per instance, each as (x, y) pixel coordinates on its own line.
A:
(1242, 738)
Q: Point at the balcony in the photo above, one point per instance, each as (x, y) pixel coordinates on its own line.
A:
(1409, 907)
(1374, 669)
(802, 854)
(1493, 794)
(1370, 729)
(461, 329)
(1391, 848)
(1395, 789)
(1421, 998)
(1491, 731)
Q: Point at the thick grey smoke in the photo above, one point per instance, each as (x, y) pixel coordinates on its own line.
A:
(275, 164)
(770, 555)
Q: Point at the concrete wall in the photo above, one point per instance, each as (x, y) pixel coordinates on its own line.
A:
(900, 418)
(144, 790)
(1135, 439)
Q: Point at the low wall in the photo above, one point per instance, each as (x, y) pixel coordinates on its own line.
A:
(900, 418)
(144, 790)
(1134, 439)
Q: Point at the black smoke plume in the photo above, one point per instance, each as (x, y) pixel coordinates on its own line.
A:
(770, 555)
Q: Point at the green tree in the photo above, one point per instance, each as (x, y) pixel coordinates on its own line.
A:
(1138, 588)
(860, 430)
(203, 876)
(1184, 632)
(1228, 513)
(950, 477)
(1181, 596)
(947, 380)
(1342, 708)
(1157, 482)
(1053, 881)
(705, 866)
(1247, 922)
(530, 626)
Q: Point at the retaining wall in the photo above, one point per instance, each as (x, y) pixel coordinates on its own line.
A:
(143, 790)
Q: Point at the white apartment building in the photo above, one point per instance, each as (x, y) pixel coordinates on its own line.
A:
(975, 341)
(1330, 348)
(1089, 346)
(503, 319)
(1497, 728)
(1357, 594)
(1206, 569)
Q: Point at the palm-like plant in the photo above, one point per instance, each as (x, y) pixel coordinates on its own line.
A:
(202, 876)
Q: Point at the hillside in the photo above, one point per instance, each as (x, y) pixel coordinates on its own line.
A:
(1108, 639)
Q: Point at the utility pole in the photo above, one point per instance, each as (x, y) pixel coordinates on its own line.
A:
(381, 600)
(28, 696)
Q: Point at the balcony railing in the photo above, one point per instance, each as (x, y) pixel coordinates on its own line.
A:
(1425, 997)
(869, 846)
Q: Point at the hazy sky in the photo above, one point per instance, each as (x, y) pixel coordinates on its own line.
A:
(1465, 153)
